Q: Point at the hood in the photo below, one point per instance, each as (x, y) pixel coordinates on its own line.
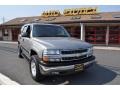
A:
(61, 42)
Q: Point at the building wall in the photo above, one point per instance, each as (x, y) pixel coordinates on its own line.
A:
(107, 34)
(10, 34)
(74, 31)
(7, 37)
(96, 33)
(0, 34)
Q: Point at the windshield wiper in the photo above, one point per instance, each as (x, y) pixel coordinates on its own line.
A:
(61, 36)
(53, 36)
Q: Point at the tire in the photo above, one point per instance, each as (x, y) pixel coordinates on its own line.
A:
(19, 52)
(34, 68)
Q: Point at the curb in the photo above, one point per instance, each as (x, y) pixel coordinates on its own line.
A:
(106, 48)
(4, 80)
(9, 42)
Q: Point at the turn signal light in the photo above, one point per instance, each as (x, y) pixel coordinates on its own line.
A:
(45, 58)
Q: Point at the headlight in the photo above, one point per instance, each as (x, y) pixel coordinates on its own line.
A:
(51, 55)
(51, 52)
(90, 51)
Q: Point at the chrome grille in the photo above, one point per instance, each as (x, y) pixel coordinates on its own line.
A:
(73, 51)
(73, 58)
(71, 55)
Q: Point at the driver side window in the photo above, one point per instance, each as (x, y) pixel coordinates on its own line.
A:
(26, 31)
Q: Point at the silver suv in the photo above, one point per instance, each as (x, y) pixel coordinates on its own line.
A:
(51, 51)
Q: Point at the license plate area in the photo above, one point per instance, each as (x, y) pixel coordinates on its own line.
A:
(79, 67)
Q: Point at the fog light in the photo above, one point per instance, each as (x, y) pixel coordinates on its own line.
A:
(55, 73)
(54, 59)
(51, 60)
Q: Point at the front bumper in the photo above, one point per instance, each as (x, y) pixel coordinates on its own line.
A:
(64, 69)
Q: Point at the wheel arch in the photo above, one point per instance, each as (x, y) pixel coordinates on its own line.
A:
(33, 52)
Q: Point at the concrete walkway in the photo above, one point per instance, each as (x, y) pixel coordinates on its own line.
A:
(8, 42)
(106, 48)
(95, 47)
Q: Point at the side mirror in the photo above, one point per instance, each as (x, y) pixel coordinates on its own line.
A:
(26, 35)
(70, 34)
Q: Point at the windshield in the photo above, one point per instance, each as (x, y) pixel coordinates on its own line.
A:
(49, 31)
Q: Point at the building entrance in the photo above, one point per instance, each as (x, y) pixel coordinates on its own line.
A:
(15, 35)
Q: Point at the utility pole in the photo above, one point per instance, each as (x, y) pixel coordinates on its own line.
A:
(3, 19)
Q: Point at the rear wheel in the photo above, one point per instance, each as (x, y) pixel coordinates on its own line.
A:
(34, 68)
(19, 52)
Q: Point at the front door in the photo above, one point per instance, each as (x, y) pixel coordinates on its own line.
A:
(15, 33)
(25, 41)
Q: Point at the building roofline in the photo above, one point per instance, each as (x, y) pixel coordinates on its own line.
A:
(65, 19)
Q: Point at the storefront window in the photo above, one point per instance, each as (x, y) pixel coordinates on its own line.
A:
(114, 35)
(95, 34)
(74, 31)
(5, 33)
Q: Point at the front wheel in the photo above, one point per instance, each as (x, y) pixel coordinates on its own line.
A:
(34, 68)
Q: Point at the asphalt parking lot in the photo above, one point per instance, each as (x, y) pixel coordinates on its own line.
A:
(107, 71)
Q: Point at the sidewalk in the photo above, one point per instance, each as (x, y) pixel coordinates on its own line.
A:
(8, 42)
(106, 48)
(95, 47)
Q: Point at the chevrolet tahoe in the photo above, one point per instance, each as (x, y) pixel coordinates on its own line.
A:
(52, 51)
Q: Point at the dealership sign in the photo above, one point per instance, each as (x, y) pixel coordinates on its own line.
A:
(53, 13)
(70, 12)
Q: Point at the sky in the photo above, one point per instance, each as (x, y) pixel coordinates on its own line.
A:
(12, 11)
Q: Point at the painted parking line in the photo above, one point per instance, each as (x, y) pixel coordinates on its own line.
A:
(4, 80)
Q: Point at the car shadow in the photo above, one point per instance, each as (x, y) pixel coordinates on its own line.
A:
(95, 75)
